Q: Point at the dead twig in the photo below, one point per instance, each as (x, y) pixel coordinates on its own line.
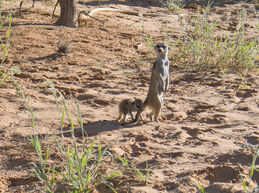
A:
(54, 10)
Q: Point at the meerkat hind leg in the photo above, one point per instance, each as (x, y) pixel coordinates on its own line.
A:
(125, 116)
(131, 115)
(157, 112)
(151, 115)
(141, 117)
(137, 116)
(120, 116)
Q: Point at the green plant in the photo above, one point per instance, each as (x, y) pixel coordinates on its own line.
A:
(5, 42)
(42, 172)
(198, 187)
(84, 169)
(148, 38)
(136, 175)
(243, 84)
(255, 150)
(49, 3)
(174, 6)
(81, 167)
(203, 49)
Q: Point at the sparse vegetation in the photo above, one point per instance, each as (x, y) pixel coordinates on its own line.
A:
(64, 47)
(148, 38)
(87, 165)
(198, 187)
(5, 42)
(82, 167)
(137, 176)
(175, 6)
(255, 150)
(203, 48)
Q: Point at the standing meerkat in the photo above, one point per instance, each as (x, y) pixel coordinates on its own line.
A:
(127, 106)
(159, 83)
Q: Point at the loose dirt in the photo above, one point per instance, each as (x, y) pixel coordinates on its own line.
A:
(208, 116)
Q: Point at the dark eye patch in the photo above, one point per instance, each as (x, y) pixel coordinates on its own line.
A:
(160, 46)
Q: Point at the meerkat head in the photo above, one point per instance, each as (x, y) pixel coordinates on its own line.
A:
(138, 103)
(161, 49)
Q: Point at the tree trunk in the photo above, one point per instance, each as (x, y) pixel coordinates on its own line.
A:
(68, 13)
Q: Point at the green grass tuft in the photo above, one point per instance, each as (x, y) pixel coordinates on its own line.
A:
(204, 49)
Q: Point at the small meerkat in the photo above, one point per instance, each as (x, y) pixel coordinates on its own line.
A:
(159, 83)
(127, 106)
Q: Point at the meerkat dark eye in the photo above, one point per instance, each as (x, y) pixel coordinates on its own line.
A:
(161, 46)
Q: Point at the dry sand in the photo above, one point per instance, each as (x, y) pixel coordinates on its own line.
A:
(208, 117)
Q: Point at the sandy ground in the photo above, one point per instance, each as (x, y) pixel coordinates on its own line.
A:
(208, 117)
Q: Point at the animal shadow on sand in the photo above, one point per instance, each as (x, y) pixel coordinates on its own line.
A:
(94, 128)
(89, 129)
(51, 56)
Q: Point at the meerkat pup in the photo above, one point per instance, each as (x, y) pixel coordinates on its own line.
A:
(159, 83)
(127, 106)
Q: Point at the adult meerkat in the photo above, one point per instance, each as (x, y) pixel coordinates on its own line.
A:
(127, 106)
(159, 83)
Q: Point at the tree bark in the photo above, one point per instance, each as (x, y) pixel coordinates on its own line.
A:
(68, 13)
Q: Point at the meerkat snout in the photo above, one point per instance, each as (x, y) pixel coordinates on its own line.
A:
(161, 48)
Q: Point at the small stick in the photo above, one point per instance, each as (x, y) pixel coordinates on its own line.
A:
(54, 10)
(20, 12)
